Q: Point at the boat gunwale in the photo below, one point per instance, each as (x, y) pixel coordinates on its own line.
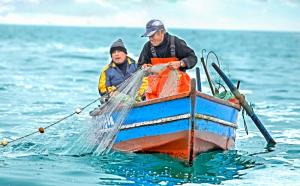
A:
(187, 94)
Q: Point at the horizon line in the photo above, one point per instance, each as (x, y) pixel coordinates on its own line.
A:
(142, 27)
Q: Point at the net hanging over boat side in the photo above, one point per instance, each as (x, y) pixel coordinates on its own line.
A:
(109, 117)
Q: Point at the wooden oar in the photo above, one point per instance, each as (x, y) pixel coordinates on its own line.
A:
(245, 105)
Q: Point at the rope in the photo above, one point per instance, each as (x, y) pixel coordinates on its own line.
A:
(42, 130)
(245, 124)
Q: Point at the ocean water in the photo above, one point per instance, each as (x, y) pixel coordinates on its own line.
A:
(47, 72)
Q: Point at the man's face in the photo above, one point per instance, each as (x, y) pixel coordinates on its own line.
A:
(118, 57)
(157, 38)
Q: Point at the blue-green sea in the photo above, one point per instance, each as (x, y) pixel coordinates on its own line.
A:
(46, 72)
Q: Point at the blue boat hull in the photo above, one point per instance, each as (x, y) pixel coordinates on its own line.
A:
(182, 126)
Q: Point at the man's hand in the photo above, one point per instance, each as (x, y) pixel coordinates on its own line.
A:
(174, 65)
(111, 90)
(145, 66)
(113, 93)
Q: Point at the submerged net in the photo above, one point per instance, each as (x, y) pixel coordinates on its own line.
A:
(109, 117)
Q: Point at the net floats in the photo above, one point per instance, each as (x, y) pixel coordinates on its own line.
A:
(3, 142)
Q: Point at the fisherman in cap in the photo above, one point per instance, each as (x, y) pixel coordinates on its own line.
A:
(164, 48)
(118, 70)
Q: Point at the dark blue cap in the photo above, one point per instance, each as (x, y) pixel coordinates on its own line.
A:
(153, 26)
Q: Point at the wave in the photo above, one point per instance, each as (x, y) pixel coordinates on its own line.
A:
(74, 56)
(53, 47)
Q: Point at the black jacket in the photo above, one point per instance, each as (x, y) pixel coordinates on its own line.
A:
(182, 52)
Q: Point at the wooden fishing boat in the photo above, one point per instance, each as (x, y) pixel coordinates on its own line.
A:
(181, 126)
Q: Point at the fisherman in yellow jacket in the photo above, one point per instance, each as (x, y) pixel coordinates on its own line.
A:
(118, 70)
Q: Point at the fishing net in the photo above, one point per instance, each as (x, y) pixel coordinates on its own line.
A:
(168, 77)
(170, 87)
(109, 117)
(98, 135)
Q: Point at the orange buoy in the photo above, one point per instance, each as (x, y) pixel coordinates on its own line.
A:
(41, 130)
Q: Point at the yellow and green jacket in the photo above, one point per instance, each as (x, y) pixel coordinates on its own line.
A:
(111, 76)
